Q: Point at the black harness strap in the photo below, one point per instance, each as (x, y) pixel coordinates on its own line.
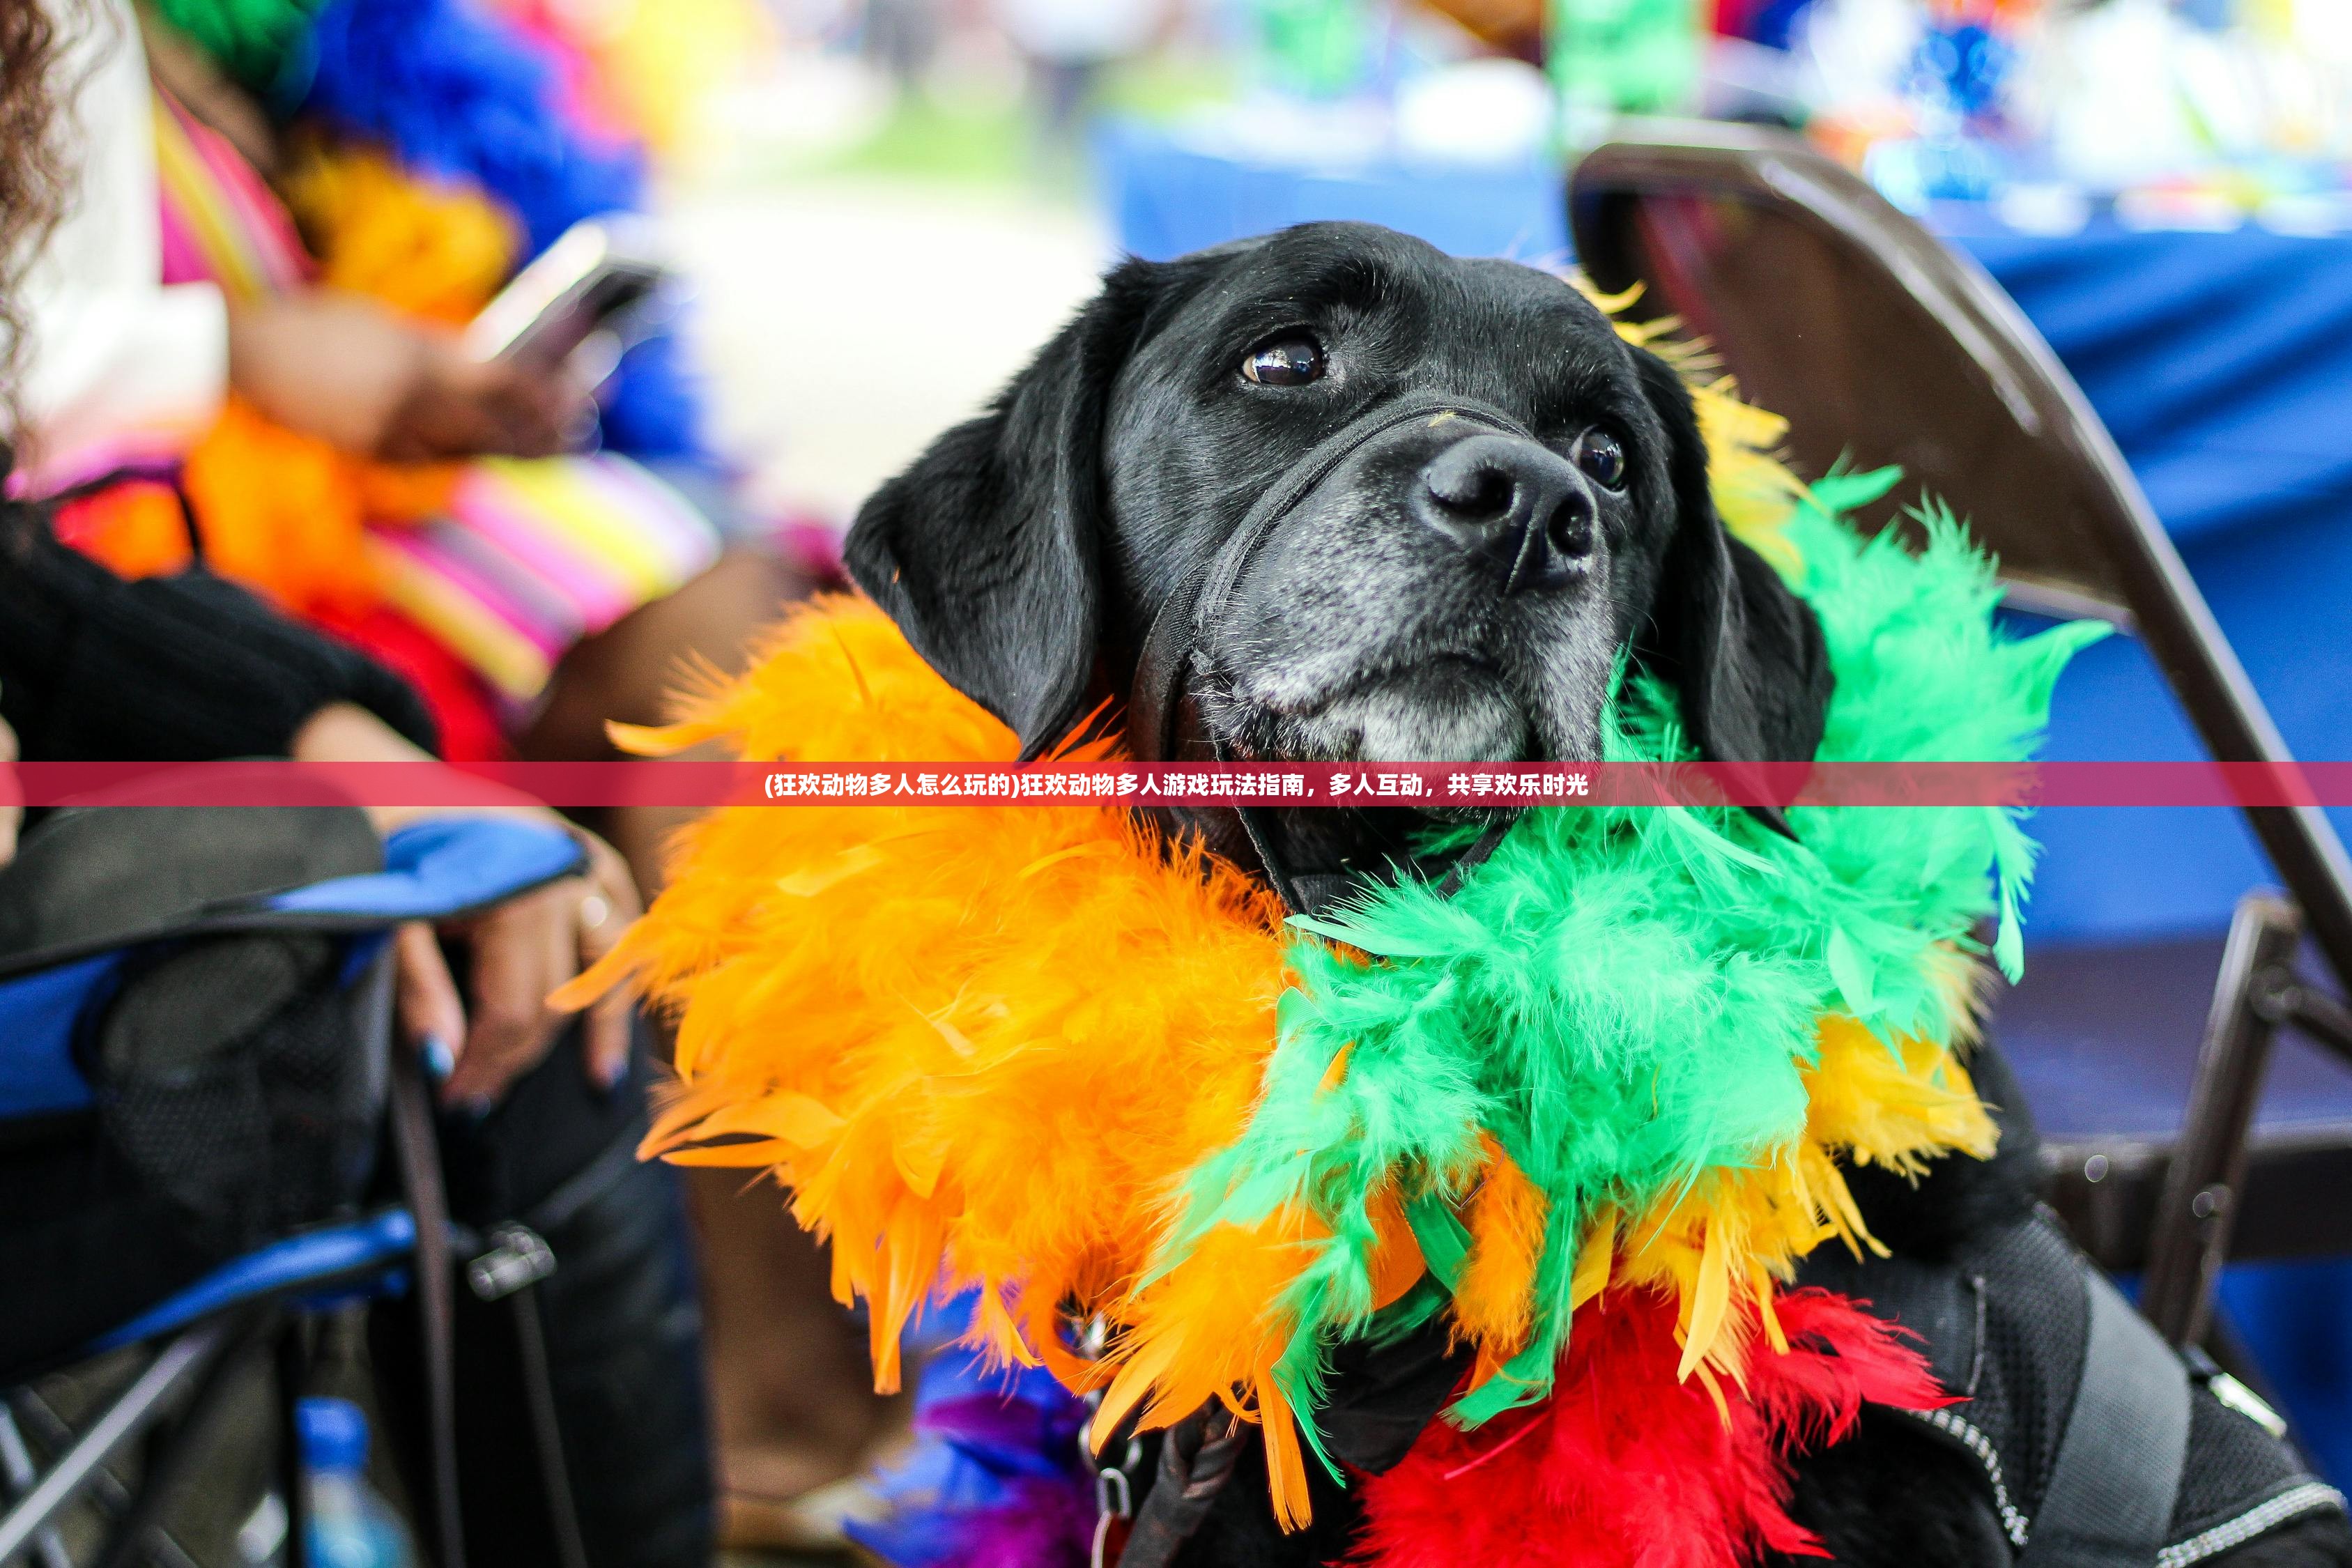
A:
(418, 1156)
(2110, 1500)
(2100, 1490)
(1193, 1470)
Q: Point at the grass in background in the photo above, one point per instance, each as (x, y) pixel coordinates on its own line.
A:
(947, 133)
(981, 133)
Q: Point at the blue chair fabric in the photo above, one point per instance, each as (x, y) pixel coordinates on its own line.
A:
(440, 868)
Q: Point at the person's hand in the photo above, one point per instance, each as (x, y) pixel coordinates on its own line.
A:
(12, 808)
(463, 407)
(357, 376)
(521, 950)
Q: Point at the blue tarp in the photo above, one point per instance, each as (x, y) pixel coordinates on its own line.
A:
(2222, 364)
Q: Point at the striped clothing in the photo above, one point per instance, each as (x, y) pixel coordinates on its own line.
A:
(526, 558)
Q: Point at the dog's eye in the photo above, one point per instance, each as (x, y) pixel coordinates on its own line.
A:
(1287, 361)
(1600, 455)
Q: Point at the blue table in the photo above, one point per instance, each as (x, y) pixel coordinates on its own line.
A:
(2223, 362)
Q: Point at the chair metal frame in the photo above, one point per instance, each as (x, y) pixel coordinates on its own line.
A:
(203, 1331)
(2135, 577)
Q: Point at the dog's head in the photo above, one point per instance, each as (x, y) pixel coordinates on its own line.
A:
(1456, 586)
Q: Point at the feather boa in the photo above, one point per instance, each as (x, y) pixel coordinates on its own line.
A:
(465, 97)
(1539, 1124)
(995, 1477)
(1628, 1467)
(462, 94)
(1030, 1052)
(430, 249)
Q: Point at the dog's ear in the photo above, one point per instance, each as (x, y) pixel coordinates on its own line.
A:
(1745, 652)
(987, 551)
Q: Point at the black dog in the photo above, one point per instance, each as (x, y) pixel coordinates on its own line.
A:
(1333, 495)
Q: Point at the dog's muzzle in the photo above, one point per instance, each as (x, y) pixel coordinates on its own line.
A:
(1163, 715)
(1164, 722)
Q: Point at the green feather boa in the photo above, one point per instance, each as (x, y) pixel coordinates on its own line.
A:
(1625, 999)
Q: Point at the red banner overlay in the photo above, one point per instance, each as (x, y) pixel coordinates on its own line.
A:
(1420, 785)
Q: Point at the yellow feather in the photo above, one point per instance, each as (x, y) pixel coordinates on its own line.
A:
(1707, 1303)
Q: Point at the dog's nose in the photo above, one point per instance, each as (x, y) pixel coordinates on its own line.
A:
(1519, 506)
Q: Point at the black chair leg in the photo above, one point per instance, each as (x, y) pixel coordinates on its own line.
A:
(511, 1270)
(291, 1377)
(547, 1429)
(2196, 1209)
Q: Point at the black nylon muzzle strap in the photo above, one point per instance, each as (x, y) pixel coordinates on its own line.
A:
(1179, 631)
(1158, 726)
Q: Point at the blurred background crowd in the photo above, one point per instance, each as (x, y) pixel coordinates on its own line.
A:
(240, 343)
(1003, 148)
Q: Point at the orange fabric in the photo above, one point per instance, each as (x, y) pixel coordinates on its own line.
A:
(285, 513)
(133, 530)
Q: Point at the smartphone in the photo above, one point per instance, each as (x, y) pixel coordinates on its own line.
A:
(603, 277)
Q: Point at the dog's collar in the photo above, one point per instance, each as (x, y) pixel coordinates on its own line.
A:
(1163, 714)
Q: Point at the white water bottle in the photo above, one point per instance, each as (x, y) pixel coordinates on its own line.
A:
(349, 1525)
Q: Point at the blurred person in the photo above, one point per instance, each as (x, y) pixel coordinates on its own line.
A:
(1066, 44)
(341, 452)
(271, 383)
(793, 1412)
(188, 667)
(542, 1113)
(266, 212)
(902, 36)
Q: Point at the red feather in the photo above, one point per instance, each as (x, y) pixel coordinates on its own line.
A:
(1626, 1468)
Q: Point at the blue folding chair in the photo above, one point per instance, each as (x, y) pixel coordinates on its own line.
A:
(440, 869)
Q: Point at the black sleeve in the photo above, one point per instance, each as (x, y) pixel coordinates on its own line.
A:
(182, 668)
